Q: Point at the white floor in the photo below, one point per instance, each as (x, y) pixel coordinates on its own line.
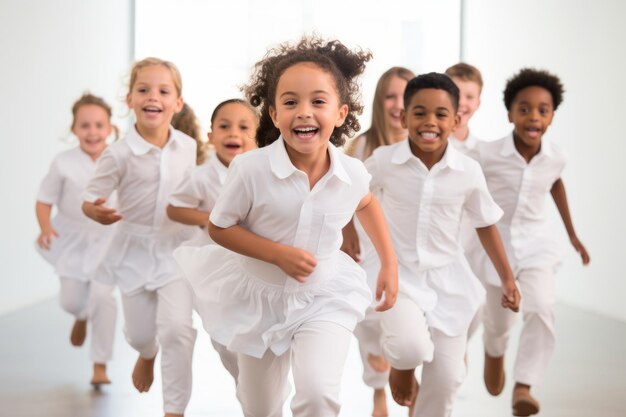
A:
(42, 375)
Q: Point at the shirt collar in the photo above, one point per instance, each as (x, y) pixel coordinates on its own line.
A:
(451, 157)
(140, 146)
(282, 167)
(508, 147)
(219, 167)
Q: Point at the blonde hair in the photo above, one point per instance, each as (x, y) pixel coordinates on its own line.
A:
(151, 61)
(88, 99)
(465, 72)
(187, 122)
(379, 132)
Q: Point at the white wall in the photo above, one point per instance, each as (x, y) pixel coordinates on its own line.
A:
(216, 43)
(51, 53)
(582, 42)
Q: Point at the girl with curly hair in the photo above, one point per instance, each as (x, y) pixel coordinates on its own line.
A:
(280, 292)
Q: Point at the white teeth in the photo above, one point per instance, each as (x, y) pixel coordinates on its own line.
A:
(429, 135)
(305, 129)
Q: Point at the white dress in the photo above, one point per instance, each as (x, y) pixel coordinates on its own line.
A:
(81, 240)
(249, 305)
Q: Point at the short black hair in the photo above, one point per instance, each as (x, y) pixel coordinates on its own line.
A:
(432, 80)
(530, 77)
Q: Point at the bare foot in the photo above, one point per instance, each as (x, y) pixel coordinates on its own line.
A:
(378, 363)
(380, 403)
(143, 374)
(173, 415)
(99, 375)
(403, 386)
(79, 333)
(414, 399)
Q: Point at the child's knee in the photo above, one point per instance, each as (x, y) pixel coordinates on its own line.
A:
(176, 332)
(316, 400)
(75, 306)
(407, 351)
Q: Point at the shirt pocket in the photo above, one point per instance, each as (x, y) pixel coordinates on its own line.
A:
(446, 212)
(330, 233)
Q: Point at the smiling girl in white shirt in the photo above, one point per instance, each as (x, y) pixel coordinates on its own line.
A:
(145, 167)
(293, 298)
(233, 126)
(71, 242)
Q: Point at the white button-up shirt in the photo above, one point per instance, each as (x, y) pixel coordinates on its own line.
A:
(200, 189)
(144, 175)
(520, 189)
(467, 146)
(423, 207)
(265, 193)
(65, 182)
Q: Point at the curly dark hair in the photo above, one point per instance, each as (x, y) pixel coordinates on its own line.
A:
(530, 77)
(332, 56)
(432, 80)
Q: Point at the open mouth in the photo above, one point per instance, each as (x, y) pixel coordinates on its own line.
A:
(305, 132)
(233, 146)
(93, 141)
(533, 132)
(429, 136)
(152, 110)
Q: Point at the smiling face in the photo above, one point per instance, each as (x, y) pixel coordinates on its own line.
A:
(430, 118)
(469, 99)
(307, 110)
(232, 131)
(531, 112)
(394, 103)
(92, 126)
(154, 98)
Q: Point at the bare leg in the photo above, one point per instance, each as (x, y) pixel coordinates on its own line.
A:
(143, 374)
(380, 403)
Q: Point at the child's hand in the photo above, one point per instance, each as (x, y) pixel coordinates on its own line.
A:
(45, 238)
(350, 243)
(388, 284)
(296, 262)
(510, 295)
(580, 249)
(102, 214)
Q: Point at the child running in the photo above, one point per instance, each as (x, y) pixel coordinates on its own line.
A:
(233, 126)
(425, 186)
(521, 169)
(386, 128)
(286, 297)
(145, 167)
(70, 241)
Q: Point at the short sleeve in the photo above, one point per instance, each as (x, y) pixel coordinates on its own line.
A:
(187, 194)
(481, 209)
(235, 200)
(105, 179)
(371, 165)
(52, 185)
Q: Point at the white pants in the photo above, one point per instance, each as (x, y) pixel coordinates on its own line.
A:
(164, 315)
(94, 302)
(317, 358)
(368, 333)
(228, 358)
(408, 343)
(537, 339)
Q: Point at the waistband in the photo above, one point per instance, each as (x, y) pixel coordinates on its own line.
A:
(151, 231)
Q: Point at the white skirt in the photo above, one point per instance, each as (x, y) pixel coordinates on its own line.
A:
(74, 253)
(250, 306)
(139, 257)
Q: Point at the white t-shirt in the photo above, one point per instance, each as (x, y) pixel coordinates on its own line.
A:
(520, 189)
